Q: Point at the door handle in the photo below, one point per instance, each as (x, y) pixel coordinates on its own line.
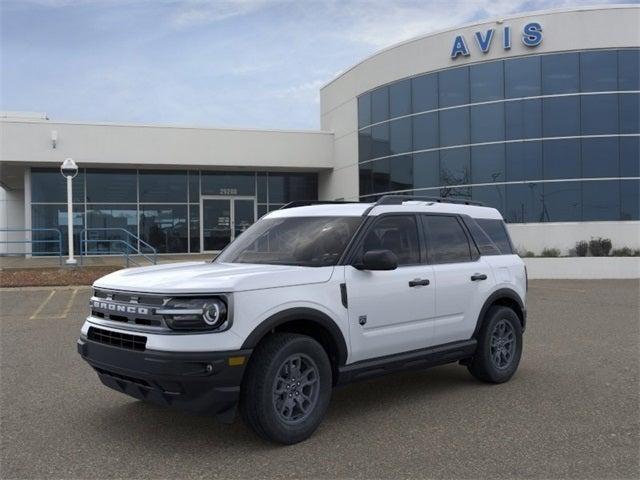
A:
(478, 276)
(418, 282)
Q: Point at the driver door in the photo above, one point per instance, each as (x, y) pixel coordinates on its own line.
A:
(390, 311)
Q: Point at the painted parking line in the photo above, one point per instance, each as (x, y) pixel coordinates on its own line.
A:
(42, 305)
(65, 311)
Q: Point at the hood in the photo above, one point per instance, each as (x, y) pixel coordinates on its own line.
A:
(205, 277)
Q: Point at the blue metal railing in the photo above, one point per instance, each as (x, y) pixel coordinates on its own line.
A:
(131, 245)
(31, 241)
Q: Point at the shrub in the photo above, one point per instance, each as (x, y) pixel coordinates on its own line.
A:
(582, 248)
(600, 247)
(523, 252)
(625, 252)
(550, 252)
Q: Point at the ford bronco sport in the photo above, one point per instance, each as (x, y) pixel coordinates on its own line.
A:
(308, 298)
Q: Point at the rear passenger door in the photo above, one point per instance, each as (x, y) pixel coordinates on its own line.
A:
(462, 278)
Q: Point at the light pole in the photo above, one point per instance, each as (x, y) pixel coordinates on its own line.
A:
(69, 169)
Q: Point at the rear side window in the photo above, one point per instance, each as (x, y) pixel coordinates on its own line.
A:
(485, 245)
(446, 240)
(497, 232)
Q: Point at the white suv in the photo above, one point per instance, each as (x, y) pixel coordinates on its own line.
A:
(308, 298)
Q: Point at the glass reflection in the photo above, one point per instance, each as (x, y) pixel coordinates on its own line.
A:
(165, 227)
(49, 186)
(55, 217)
(112, 186)
(111, 222)
(455, 167)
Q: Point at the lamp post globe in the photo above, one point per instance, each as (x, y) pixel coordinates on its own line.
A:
(69, 169)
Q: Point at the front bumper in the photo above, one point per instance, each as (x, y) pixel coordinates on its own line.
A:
(200, 382)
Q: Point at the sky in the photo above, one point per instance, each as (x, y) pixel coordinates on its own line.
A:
(225, 63)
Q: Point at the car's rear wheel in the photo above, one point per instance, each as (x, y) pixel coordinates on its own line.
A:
(287, 388)
(499, 346)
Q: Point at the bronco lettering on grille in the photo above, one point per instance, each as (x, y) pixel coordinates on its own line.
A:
(120, 308)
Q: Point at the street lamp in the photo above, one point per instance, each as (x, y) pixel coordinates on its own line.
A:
(69, 169)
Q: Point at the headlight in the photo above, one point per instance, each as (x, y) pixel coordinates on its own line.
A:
(195, 314)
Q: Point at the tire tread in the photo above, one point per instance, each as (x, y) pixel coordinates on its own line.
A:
(253, 410)
(480, 366)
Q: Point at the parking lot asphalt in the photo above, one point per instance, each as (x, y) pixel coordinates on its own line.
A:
(571, 411)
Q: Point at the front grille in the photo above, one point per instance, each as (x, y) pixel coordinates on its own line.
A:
(127, 297)
(121, 318)
(129, 308)
(117, 339)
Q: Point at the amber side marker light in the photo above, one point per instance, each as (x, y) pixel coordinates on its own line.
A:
(236, 361)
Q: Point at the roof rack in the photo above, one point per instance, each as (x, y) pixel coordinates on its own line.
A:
(384, 200)
(306, 203)
(399, 199)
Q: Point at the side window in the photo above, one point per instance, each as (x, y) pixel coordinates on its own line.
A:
(446, 239)
(398, 233)
(498, 233)
(485, 245)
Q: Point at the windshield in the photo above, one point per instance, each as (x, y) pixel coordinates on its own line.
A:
(304, 241)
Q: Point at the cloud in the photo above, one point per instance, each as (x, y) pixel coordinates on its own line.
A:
(191, 13)
(381, 23)
(255, 63)
(71, 3)
(302, 91)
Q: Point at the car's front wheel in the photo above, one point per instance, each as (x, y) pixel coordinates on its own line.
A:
(499, 346)
(287, 388)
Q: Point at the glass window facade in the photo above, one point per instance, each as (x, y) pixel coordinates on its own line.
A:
(112, 208)
(543, 138)
(486, 82)
(560, 73)
(163, 186)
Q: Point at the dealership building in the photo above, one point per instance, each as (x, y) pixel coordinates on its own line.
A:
(536, 115)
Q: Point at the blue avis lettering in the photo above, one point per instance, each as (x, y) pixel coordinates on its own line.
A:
(531, 37)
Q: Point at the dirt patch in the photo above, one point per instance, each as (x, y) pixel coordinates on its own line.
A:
(39, 277)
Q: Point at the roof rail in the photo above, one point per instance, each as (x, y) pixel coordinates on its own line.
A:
(306, 203)
(399, 199)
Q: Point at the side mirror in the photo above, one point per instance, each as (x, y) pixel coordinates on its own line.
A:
(378, 260)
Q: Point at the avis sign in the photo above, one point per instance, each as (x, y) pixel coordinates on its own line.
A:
(531, 37)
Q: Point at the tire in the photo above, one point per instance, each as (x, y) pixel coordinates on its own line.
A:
(499, 346)
(278, 406)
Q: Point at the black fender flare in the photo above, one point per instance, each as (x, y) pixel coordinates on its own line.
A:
(502, 293)
(305, 314)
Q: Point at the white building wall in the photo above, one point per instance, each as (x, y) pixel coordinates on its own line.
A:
(535, 237)
(29, 141)
(583, 268)
(11, 217)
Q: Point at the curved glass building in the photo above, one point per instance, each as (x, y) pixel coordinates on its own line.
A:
(544, 138)
(536, 115)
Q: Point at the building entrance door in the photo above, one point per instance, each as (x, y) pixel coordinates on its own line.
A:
(223, 219)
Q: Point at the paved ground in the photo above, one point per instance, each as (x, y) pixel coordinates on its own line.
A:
(571, 411)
